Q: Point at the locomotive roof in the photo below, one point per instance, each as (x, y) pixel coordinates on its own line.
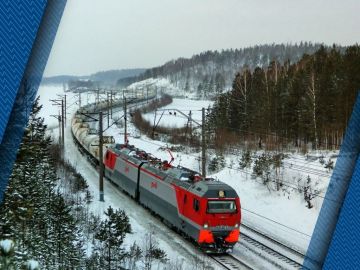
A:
(179, 176)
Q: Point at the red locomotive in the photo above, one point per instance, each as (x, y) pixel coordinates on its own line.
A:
(205, 210)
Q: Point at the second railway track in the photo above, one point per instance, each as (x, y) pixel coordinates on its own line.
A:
(230, 262)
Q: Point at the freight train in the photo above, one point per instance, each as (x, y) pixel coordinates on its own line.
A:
(205, 210)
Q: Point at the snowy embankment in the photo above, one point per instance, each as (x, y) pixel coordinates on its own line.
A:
(178, 250)
(282, 214)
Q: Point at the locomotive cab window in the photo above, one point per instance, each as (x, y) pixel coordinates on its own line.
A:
(221, 207)
(196, 205)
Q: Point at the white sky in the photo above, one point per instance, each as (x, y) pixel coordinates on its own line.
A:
(97, 35)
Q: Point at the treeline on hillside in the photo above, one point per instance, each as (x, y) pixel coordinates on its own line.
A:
(211, 72)
(308, 102)
(101, 78)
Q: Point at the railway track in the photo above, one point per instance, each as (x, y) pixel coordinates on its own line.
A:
(230, 262)
(278, 254)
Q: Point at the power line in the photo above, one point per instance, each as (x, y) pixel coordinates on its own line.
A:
(276, 222)
(284, 183)
(251, 211)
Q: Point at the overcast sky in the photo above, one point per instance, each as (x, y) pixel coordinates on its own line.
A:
(97, 35)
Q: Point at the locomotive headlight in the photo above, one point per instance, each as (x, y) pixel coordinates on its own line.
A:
(206, 225)
(236, 225)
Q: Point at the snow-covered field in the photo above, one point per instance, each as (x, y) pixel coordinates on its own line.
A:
(283, 215)
(161, 85)
(169, 116)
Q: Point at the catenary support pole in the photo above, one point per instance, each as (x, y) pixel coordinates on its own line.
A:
(65, 110)
(111, 104)
(125, 120)
(101, 164)
(108, 109)
(203, 145)
(62, 127)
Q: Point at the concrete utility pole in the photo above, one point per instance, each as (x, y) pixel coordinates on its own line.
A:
(190, 120)
(203, 145)
(147, 94)
(59, 119)
(125, 120)
(79, 99)
(111, 103)
(65, 110)
(62, 127)
(101, 164)
(108, 108)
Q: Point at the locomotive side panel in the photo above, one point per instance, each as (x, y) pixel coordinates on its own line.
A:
(159, 196)
(124, 175)
(189, 217)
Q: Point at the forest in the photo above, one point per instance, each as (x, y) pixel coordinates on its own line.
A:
(211, 72)
(304, 104)
(46, 220)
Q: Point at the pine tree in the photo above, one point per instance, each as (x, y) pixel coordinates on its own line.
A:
(111, 235)
(30, 213)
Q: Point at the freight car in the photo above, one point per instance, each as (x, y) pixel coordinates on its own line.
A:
(204, 210)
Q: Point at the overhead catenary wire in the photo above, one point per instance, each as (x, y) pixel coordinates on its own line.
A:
(249, 210)
(245, 209)
(284, 183)
(288, 184)
(290, 166)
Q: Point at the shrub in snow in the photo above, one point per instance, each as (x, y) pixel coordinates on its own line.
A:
(32, 265)
(6, 246)
(133, 256)
(245, 161)
(329, 165)
(7, 254)
(152, 252)
(308, 195)
(261, 167)
(217, 163)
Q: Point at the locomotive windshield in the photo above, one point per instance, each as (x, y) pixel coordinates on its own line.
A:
(221, 207)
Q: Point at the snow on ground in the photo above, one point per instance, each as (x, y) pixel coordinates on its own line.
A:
(179, 251)
(161, 85)
(283, 215)
(168, 116)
